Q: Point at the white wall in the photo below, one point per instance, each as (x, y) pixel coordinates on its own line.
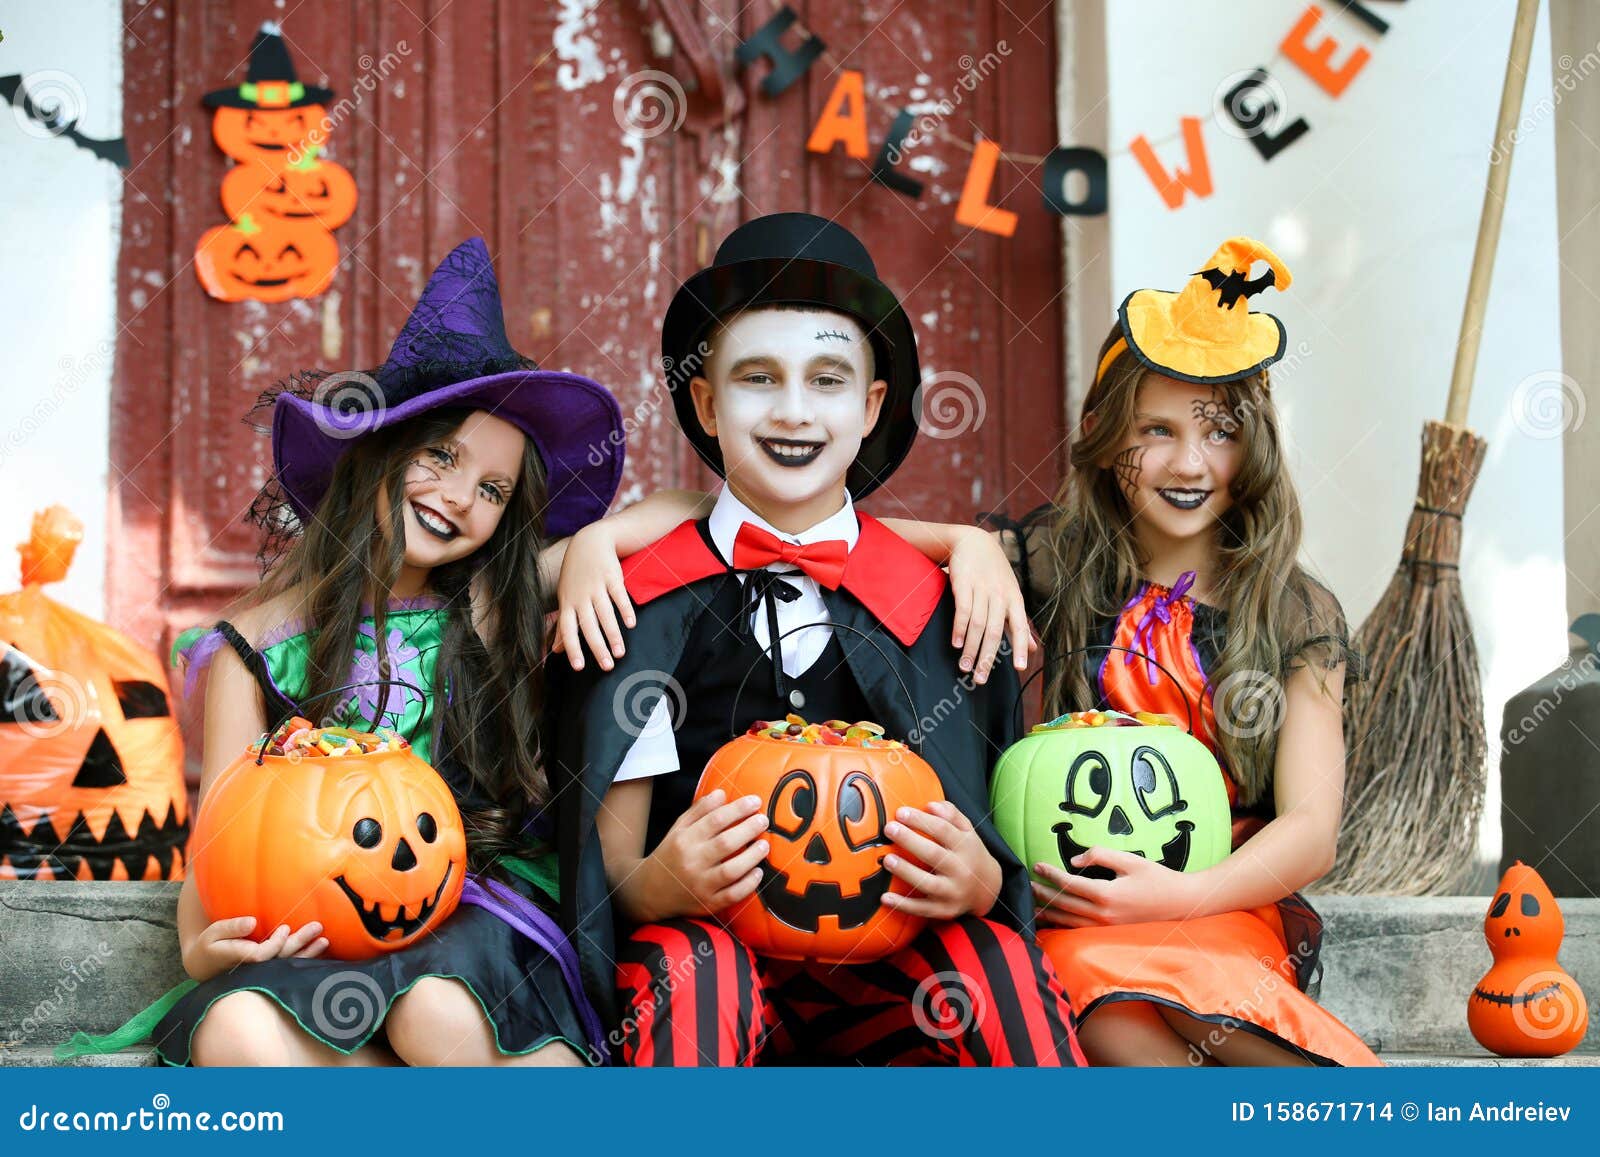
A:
(1375, 211)
(60, 210)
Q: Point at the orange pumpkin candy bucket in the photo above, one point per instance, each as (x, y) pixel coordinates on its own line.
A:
(828, 793)
(350, 829)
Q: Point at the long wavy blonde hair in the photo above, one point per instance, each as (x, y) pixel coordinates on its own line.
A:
(1277, 613)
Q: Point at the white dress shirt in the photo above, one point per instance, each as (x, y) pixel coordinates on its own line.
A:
(655, 751)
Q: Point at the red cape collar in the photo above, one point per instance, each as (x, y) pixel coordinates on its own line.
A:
(899, 585)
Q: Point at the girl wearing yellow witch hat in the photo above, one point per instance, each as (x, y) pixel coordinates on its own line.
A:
(1177, 535)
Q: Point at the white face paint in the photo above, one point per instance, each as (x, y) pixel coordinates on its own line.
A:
(789, 395)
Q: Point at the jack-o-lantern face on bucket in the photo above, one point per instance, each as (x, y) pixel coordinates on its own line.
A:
(269, 136)
(311, 190)
(1151, 790)
(91, 760)
(370, 845)
(823, 880)
(267, 260)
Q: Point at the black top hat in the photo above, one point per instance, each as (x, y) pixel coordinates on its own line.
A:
(797, 259)
(271, 82)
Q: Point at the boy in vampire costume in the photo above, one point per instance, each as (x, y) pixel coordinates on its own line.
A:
(793, 370)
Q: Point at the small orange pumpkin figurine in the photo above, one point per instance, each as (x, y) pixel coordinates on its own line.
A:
(307, 189)
(1526, 1006)
(269, 260)
(823, 879)
(367, 842)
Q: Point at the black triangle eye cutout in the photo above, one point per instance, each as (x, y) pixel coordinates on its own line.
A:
(142, 700)
(22, 700)
(1502, 902)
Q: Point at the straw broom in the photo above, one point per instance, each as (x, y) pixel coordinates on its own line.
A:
(1415, 729)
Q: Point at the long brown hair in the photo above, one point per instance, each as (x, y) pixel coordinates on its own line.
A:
(487, 697)
(1280, 615)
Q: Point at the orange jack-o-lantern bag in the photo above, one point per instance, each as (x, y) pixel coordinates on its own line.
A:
(91, 761)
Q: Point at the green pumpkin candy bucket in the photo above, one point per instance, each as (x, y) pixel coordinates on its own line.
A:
(1088, 779)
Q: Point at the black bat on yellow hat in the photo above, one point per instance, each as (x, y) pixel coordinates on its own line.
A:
(1234, 285)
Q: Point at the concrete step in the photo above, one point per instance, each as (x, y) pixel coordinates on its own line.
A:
(81, 956)
(1398, 970)
(29, 1056)
(88, 955)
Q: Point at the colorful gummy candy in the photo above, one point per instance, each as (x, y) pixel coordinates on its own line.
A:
(833, 733)
(300, 737)
(1076, 719)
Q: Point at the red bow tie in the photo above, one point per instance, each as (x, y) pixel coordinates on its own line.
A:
(824, 561)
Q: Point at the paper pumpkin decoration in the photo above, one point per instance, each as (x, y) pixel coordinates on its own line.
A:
(1526, 1005)
(308, 189)
(370, 845)
(272, 112)
(267, 260)
(823, 879)
(1105, 779)
(269, 137)
(282, 197)
(91, 759)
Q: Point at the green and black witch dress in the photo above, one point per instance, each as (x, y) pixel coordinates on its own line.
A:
(499, 941)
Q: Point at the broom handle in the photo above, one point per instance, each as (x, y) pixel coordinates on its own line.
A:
(1494, 205)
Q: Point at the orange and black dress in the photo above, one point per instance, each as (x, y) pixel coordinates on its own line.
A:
(1257, 969)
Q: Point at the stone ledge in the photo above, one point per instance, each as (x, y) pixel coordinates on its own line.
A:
(1397, 970)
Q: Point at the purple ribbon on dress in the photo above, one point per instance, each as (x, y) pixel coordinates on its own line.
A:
(526, 917)
(1160, 610)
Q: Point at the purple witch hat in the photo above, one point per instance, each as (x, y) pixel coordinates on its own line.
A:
(453, 351)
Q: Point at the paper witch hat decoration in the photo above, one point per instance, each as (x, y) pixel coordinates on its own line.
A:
(271, 81)
(1205, 332)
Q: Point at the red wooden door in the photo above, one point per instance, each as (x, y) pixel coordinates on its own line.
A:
(496, 117)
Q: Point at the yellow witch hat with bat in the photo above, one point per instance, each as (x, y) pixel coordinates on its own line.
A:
(1206, 332)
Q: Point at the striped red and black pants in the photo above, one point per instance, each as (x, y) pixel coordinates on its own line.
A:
(965, 992)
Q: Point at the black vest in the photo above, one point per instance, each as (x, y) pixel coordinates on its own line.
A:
(720, 653)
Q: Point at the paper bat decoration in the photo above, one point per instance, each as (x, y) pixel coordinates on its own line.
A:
(115, 150)
(1233, 286)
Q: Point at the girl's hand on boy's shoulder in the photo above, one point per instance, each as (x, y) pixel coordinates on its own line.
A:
(590, 597)
(224, 944)
(1141, 891)
(957, 875)
(989, 604)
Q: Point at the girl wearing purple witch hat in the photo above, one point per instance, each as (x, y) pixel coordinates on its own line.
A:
(410, 519)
